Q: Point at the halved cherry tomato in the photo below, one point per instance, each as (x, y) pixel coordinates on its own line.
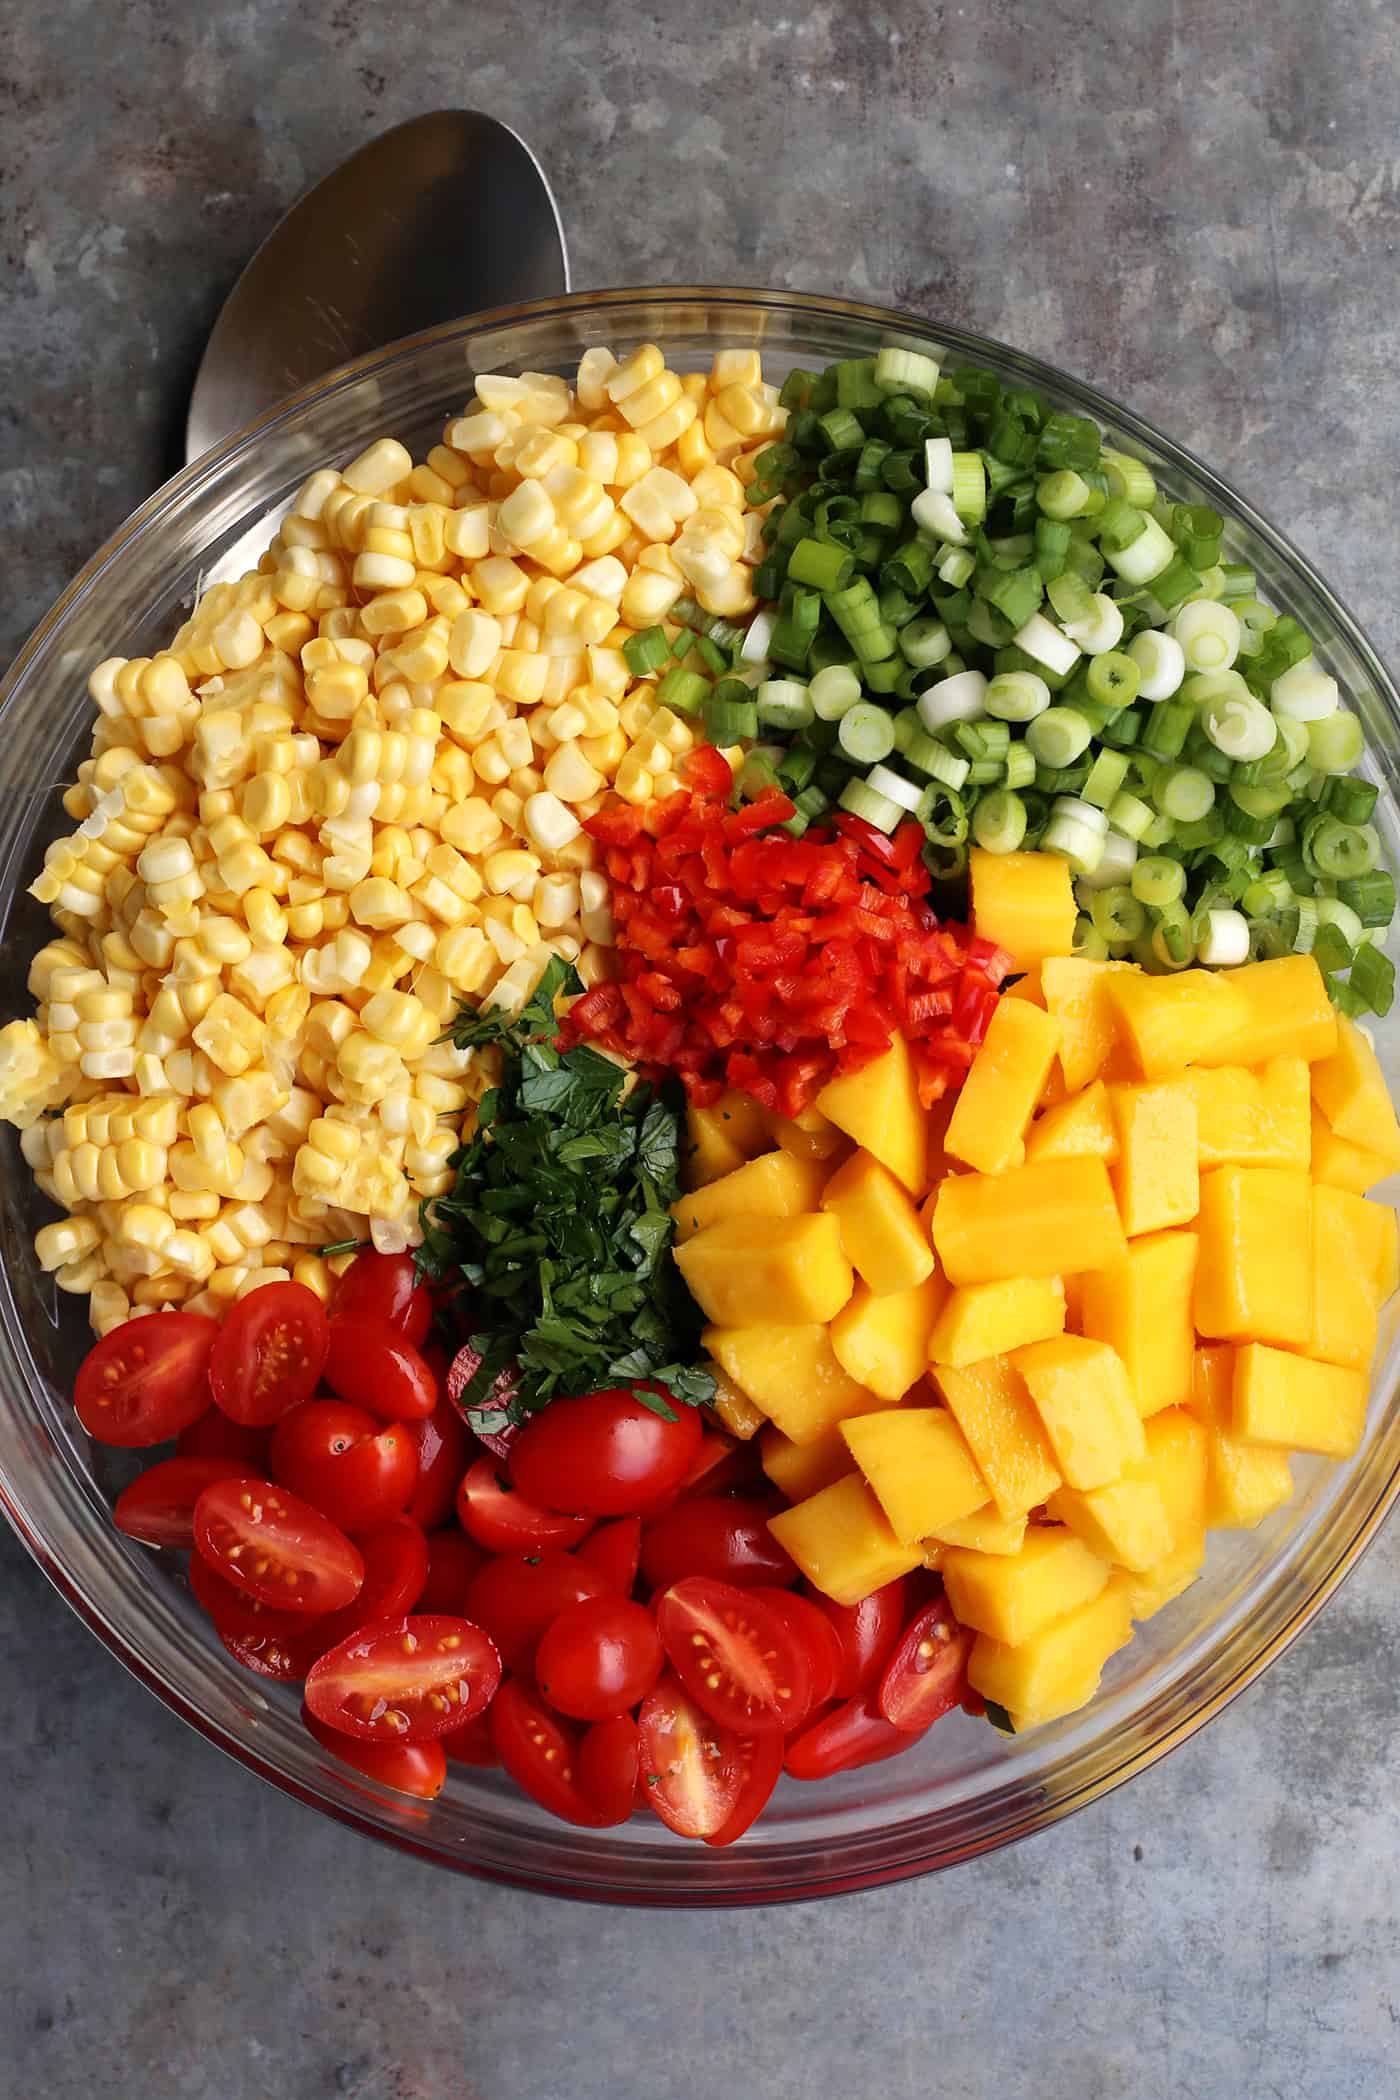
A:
(453, 1559)
(384, 1289)
(739, 1660)
(348, 1464)
(215, 1436)
(722, 1467)
(395, 1554)
(145, 1381)
(269, 1353)
(375, 1366)
(285, 1656)
(609, 1765)
(926, 1676)
(158, 1506)
(517, 1597)
(820, 1645)
(472, 1744)
(238, 1616)
(613, 1552)
(851, 1735)
(718, 1535)
(540, 1752)
(761, 1759)
(405, 1680)
(464, 1367)
(605, 1453)
(500, 1518)
(419, 1769)
(692, 1769)
(273, 1546)
(444, 1452)
(598, 1658)
(867, 1632)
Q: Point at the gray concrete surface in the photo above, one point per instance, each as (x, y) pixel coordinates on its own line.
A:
(1196, 205)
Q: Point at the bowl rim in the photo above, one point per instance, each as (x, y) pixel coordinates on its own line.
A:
(185, 485)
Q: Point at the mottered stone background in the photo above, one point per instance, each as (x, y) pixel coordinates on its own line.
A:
(1194, 205)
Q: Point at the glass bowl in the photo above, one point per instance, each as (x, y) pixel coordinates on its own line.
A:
(966, 1789)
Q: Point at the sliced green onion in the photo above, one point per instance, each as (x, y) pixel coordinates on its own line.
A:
(1208, 634)
(961, 698)
(1304, 692)
(866, 733)
(647, 651)
(1184, 794)
(785, 704)
(1047, 645)
(1130, 815)
(1089, 944)
(924, 642)
(1373, 978)
(862, 800)
(1115, 865)
(1144, 557)
(1371, 897)
(1070, 597)
(1106, 778)
(906, 372)
(894, 787)
(1331, 911)
(833, 692)
(1335, 742)
(1339, 851)
(1117, 914)
(818, 563)
(1225, 940)
(1018, 770)
(682, 690)
(1058, 737)
(1017, 696)
(927, 755)
(999, 822)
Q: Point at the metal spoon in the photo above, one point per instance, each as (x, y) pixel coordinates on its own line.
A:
(446, 215)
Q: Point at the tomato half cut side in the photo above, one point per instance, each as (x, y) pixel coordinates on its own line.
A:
(494, 1513)
(609, 1766)
(614, 1553)
(238, 1616)
(820, 1645)
(867, 1632)
(269, 1353)
(273, 1546)
(723, 1536)
(345, 1462)
(419, 1769)
(376, 1367)
(926, 1676)
(158, 1506)
(405, 1680)
(598, 1658)
(518, 1597)
(541, 1753)
(853, 1734)
(743, 1664)
(384, 1288)
(453, 1560)
(761, 1762)
(692, 1768)
(606, 1454)
(285, 1656)
(444, 1451)
(146, 1380)
(395, 1555)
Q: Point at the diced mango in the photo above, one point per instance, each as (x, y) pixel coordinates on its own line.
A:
(1081, 1393)
(1047, 1219)
(998, 1097)
(735, 1409)
(710, 1150)
(841, 1540)
(989, 1319)
(1296, 1404)
(883, 1342)
(1388, 1251)
(1288, 1014)
(745, 1121)
(1155, 1178)
(808, 1135)
(1027, 986)
(1079, 1128)
(1076, 993)
(918, 1466)
(744, 1271)
(1349, 1087)
(1244, 1482)
(1057, 1670)
(1169, 1023)
(1142, 1306)
(1252, 1119)
(1341, 1164)
(985, 1531)
(1003, 1432)
(1346, 1301)
(1176, 1463)
(1024, 902)
(1254, 1278)
(1012, 1596)
(800, 1470)
(791, 1372)
(1125, 1521)
(773, 1186)
(880, 1230)
(879, 1107)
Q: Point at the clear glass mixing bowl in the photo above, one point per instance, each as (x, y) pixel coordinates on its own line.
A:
(965, 1789)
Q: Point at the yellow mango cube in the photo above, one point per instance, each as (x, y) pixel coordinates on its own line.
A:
(990, 1319)
(1155, 1179)
(882, 1343)
(1081, 1393)
(884, 1240)
(1047, 1219)
(1076, 993)
(841, 1540)
(1340, 1163)
(735, 1409)
(1057, 1670)
(1250, 1118)
(1349, 1087)
(1012, 1596)
(1142, 1306)
(745, 1122)
(1346, 1301)
(918, 1466)
(1024, 902)
(988, 1125)
(994, 1412)
(1125, 1521)
(745, 1271)
(1288, 1014)
(1254, 1278)
(791, 1373)
(985, 1531)
(773, 1186)
(1176, 1464)
(879, 1107)
(1244, 1482)
(810, 1135)
(710, 1151)
(1169, 1023)
(1081, 1127)
(1295, 1404)
(800, 1470)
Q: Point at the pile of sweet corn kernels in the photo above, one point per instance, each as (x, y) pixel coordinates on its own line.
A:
(349, 796)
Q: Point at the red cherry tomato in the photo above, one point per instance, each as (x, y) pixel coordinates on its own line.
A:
(540, 1752)
(722, 1467)
(145, 1381)
(237, 1615)
(419, 1769)
(820, 1645)
(761, 1767)
(344, 1462)
(464, 1367)
(692, 1768)
(606, 1453)
(384, 1289)
(472, 1744)
(613, 1552)
(285, 1655)
(609, 1766)
(215, 1436)
(598, 1658)
(926, 1676)
(444, 1452)
(376, 1367)
(867, 1632)
(498, 1517)
(273, 1546)
(518, 1597)
(269, 1353)
(741, 1661)
(395, 1555)
(716, 1535)
(852, 1734)
(158, 1506)
(453, 1559)
(405, 1680)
